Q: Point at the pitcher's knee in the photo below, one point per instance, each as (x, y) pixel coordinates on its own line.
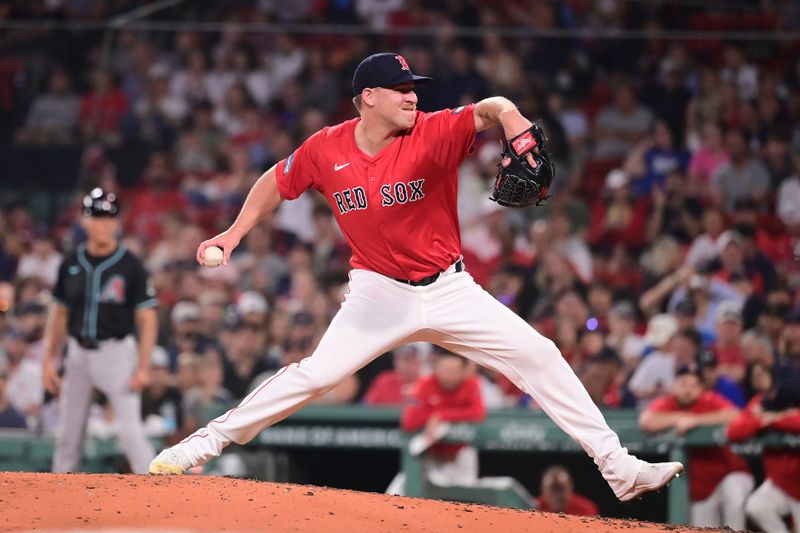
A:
(543, 352)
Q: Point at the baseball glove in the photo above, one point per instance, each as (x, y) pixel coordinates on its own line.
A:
(517, 183)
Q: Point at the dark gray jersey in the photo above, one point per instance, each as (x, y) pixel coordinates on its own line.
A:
(102, 294)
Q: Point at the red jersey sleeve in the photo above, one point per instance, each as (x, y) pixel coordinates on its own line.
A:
(471, 409)
(746, 424)
(450, 133)
(296, 173)
(788, 424)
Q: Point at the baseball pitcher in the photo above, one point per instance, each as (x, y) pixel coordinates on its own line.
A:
(391, 178)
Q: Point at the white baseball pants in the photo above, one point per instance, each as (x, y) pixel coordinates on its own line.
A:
(725, 506)
(380, 314)
(769, 504)
(109, 369)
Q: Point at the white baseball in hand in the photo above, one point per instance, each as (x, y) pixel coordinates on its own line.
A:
(212, 257)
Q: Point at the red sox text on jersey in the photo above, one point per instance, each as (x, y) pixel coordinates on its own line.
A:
(398, 208)
(391, 194)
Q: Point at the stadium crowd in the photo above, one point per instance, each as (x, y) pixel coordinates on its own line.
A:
(672, 237)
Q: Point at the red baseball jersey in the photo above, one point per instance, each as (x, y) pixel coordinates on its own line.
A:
(388, 389)
(707, 466)
(397, 209)
(781, 465)
(463, 404)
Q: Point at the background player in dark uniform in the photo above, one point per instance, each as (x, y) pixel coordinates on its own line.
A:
(102, 291)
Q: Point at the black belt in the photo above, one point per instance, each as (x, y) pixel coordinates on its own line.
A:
(93, 344)
(430, 279)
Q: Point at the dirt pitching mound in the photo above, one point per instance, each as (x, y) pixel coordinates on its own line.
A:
(128, 503)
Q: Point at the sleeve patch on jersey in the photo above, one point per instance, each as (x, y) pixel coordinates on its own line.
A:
(288, 164)
(458, 110)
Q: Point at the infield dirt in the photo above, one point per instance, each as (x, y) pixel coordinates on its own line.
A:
(70, 502)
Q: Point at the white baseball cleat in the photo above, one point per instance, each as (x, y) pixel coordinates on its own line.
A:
(652, 477)
(170, 461)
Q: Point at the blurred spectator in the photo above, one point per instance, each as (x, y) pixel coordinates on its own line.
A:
(198, 146)
(162, 403)
(618, 217)
(557, 494)
(450, 394)
(252, 309)
(653, 377)
(707, 294)
(728, 346)
(23, 385)
(738, 71)
(158, 113)
(619, 126)
(707, 160)
(742, 177)
(261, 267)
(245, 359)
(186, 330)
(715, 381)
(498, 65)
(41, 261)
(53, 116)
(721, 480)
(705, 107)
(153, 200)
(103, 108)
(669, 99)
(663, 157)
(788, 197)
(393, 387)
(568, 240)
(622, 336)
(779, 495)
(705, 246)
(673, 212)
(601, 370)
(187, 372)
(189, 84)
(777, 157)
(208, 394)
(662, 273)
(758, 379)
(230, 115)
(10, 417)
(757, 347)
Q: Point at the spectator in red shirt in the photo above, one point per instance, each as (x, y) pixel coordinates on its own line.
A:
(393, 387)
(779, 495)
(102, 110)
(558, 495)
(450, 394)
(728, 346)
(618, 218)
(154, 199)
(719, 480)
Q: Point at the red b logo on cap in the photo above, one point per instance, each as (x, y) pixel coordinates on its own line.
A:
(402, 61)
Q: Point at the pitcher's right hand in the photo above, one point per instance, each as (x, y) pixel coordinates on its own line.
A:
(225, 240)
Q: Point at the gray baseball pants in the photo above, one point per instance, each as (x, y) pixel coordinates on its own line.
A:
(109, 369)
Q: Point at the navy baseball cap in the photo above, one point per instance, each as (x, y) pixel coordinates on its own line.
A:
(384, 70)
(99, 203)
